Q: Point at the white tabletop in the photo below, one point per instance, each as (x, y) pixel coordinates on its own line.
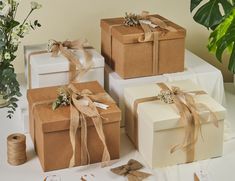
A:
(218, 169)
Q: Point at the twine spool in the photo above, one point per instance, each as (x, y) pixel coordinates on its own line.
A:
(16, 149)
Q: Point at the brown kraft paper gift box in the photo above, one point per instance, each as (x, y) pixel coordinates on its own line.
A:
(130, 58)
(50, 130)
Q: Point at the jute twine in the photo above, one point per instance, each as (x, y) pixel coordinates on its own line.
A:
(16, 149)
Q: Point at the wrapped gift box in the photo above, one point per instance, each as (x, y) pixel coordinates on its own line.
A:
(121, 49)
(155, 127)
(50, 129)
(43, 70)
(196, 69)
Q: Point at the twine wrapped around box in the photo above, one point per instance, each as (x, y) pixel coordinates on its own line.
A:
(16, 149)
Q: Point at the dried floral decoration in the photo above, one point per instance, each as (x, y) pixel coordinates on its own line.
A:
(63, 98)
(166, 96)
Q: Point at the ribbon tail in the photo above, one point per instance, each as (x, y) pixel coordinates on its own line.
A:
(74, 122)
(85, 156)
(212, 117)
(147, 33)
(99, 128)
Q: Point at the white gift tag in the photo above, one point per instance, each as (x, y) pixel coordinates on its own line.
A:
(203, 175)
(153, 25)
(53, 178)
(147, 22)
(101, 106)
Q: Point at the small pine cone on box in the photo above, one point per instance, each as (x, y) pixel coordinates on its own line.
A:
(131, 19)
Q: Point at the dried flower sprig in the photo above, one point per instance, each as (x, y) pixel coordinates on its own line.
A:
(166, 96)
(63, 98)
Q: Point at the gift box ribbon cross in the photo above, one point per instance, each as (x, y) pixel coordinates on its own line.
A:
(82, 107)
(189, 112)
(149, 24)
(76, 69)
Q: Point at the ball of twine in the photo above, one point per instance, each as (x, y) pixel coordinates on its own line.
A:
(16, 149)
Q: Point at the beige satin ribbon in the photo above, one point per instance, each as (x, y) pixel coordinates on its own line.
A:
(82, 107)
(189, 116)
(76, 68)
(150, 34)
(131, 171)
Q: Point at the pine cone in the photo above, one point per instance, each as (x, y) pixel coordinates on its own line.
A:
(131, 19)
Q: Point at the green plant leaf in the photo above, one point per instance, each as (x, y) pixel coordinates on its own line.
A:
(210, 14)
(219, 32)
(194, 4)
(225, 40)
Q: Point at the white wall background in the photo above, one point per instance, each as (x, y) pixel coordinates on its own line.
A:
(72, 19)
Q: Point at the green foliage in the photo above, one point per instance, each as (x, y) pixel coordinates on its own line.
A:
(218, 16)
(63, 98)
(11, 31)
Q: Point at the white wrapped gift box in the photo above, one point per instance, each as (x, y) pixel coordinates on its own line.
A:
(196, 69)
(52, 71)
(158, 128)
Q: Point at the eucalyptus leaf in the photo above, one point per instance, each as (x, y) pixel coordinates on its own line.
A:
(2, 44)
(13, 99)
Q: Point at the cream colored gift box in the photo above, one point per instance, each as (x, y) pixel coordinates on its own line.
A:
(157, 127)
(48, 71)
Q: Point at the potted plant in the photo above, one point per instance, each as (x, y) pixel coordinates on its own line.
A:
(11, 32)
(219, 17)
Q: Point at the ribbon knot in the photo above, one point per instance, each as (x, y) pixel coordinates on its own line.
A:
(148, 23)
(77, 69)
(131, 171)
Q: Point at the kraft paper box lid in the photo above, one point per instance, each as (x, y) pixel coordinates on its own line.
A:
(160, 115)
(59, 119)
(126, 34)
(45, 63)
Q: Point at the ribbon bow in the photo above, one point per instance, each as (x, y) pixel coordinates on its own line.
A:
(148, 23)
(130, 170)
(82, 106)
(76, 68)
(189, 115)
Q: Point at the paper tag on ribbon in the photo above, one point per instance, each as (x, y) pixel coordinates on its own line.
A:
(52, 178)
(85, 102)
(203, 175)
(101, 106)
(147, 22)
